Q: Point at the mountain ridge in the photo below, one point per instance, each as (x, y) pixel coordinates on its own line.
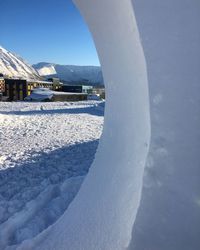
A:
(91, 75)
(13, 65)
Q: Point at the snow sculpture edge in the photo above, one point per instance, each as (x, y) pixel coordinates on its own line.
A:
(103, 212)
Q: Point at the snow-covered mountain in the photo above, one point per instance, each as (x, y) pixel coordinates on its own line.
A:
(14, 66)
(91, 75)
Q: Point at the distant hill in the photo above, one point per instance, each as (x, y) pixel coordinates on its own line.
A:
(89, 75)
(14, 66)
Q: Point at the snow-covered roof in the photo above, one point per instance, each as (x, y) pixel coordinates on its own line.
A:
(67, 93)
(45, 93)
(38, 81)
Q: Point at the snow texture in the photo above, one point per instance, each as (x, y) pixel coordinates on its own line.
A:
(46, 150)
(102, 214)
(169, 214)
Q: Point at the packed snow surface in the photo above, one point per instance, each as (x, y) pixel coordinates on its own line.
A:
(46, 150)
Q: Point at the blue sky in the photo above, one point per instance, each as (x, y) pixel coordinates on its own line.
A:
(46, 31)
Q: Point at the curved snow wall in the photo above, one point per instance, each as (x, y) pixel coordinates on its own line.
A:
(169, 214)
(102, 214)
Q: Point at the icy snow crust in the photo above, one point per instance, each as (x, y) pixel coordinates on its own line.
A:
(46, 150)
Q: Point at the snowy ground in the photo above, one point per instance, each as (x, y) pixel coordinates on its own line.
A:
(46, 150)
